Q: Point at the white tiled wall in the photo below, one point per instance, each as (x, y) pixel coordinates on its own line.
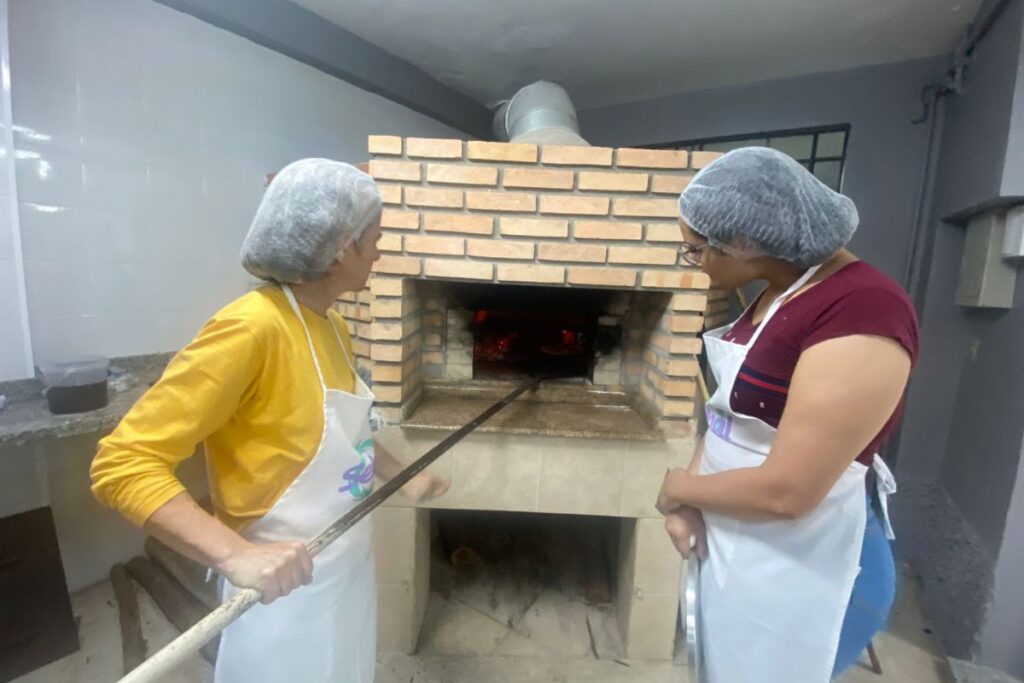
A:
(143, 136)
(14, 360)
(13, 363)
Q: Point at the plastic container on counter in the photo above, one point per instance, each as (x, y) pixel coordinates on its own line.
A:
(75, 385)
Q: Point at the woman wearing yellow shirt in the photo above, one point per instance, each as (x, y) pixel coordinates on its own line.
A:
(269, 387)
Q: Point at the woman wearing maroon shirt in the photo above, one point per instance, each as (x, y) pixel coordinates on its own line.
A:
(797, 573)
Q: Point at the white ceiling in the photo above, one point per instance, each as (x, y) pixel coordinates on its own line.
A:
(612, 51)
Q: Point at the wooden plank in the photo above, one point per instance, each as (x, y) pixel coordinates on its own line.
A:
(605, 638)
(180, 608)
(133, 645)
(876, 665)
(597, 588)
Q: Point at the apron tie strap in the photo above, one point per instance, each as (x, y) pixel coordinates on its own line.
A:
(885, 485)
(377, 421)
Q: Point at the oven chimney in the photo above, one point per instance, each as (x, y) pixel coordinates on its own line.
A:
(540, 113)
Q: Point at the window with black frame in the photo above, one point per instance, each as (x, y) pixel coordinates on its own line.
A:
(821, 150)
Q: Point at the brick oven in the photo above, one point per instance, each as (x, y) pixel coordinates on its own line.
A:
(503, 260)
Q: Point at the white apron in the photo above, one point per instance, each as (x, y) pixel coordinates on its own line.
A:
(325, 631)
(773, 594)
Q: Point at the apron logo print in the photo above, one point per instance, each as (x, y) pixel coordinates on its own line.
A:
(719, 424)
(359, 478)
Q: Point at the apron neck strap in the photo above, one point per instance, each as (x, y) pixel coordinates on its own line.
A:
(337, 335)
(344, 349)
(781, 299)
(294, 303)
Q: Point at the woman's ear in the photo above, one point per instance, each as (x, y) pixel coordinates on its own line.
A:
(339, 258)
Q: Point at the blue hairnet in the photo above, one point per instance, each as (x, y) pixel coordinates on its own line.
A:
(313, 209)
(761, 202)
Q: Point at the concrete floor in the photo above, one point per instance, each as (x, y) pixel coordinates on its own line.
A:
(545, 648)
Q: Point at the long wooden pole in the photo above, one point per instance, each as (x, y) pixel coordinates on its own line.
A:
(189, 642)
(133, 645)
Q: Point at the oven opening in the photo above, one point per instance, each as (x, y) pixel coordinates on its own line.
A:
(510, 343)
(533, 331)
(482, 340)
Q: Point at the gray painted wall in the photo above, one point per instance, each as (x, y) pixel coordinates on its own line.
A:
(1003, 636)
(978, 124)
(885, 152)
(302, 35)
(1013, 174)
(960, 453)
(983, 450)
(959, 457)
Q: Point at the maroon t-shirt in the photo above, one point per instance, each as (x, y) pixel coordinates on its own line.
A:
(857, 299)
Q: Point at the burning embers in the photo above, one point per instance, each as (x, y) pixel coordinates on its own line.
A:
(532, 342)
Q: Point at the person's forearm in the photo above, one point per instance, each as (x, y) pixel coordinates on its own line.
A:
(273, 569)
(385, 464)
(692, 468)
(698, 453)
(184, 526)
(746, 493)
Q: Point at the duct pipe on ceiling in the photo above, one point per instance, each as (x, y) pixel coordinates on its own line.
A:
(540, 113)
(498, 124)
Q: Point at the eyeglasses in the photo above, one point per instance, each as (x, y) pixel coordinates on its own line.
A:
(693, 253)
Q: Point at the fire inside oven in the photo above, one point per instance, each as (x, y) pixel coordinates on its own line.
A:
(519, 331)
(517, 342)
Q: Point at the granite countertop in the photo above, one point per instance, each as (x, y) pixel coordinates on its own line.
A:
(26, 419)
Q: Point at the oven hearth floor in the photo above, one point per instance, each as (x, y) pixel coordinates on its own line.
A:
(558, 409)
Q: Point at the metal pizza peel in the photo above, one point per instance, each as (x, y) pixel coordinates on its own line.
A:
(694, 650)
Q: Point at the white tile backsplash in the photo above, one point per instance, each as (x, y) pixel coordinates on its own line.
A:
(47, 172)
(14, 344)
(145, 136)
(6, 233)
(9, 313)
(12, 359)
(6, 187)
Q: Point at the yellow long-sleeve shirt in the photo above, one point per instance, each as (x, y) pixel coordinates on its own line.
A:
(247, 389)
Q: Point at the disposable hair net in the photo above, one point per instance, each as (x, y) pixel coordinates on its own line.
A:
(313, 209)
(760, 202)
